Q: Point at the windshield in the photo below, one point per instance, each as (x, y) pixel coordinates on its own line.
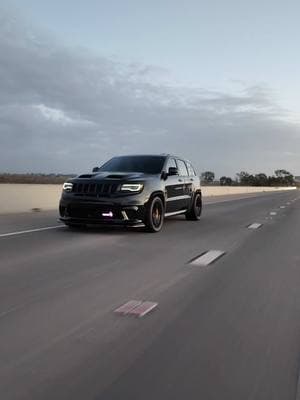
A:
(145, 164)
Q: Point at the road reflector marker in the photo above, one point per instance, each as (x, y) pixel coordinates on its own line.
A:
(129, 306)
(255, 225)
(143, 309)
(273, 213)
(137, 308)
(207, 258)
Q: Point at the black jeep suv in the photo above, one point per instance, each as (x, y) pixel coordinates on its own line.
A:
(133, 190)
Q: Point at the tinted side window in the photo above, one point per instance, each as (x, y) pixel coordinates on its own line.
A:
(182, 168)
(190, 169)
(170, 163)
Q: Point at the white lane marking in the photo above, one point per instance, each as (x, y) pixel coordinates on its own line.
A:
(255, 225)
(143, 309)
(46, 228)
(137, 308)
(273, 213)
(207, 258)
(282, 206)
(127, 307)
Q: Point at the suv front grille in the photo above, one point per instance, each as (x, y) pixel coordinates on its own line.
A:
(94, 189)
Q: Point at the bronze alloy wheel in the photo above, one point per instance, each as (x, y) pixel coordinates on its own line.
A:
(154, 215)
(157, 214)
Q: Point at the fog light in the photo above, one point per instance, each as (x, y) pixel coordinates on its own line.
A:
(108, 214)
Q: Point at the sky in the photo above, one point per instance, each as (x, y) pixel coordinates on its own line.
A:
(215, 82)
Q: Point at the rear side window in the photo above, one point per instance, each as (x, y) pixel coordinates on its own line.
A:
(182, 169)
(171, 163)
(190, 169)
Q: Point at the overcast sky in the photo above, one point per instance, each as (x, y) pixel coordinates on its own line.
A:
(216, 82)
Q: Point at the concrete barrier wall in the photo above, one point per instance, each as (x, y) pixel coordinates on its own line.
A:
(25, 197)
(227, 190)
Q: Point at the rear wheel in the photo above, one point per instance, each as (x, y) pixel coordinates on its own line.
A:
(154, 217)
(194, 213)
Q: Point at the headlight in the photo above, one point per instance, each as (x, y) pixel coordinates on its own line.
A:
(67, 186)
(132, 187)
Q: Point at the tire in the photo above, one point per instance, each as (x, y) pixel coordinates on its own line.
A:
(195, 211)
(154, 215)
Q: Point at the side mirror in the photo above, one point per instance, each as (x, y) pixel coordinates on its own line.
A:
(173, 171)
(96, 169)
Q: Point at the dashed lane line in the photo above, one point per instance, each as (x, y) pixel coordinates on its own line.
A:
(255, 225)
(207, 258)
(137, 308)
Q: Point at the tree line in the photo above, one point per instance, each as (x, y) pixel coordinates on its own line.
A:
(281, 177)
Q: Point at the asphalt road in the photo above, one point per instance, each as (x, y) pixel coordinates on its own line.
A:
(228, 330)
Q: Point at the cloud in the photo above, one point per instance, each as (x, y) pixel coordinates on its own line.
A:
(66, 109)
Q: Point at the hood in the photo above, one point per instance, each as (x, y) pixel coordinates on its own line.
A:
(115, 176)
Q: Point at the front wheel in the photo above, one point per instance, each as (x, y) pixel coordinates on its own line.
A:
(154, 217)
(194, 213)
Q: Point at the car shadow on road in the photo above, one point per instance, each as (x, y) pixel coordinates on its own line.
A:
(121, 230)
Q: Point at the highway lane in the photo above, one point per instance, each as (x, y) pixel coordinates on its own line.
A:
(11, 223)
(229, 330)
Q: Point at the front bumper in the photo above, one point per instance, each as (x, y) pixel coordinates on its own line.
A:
(96, 213)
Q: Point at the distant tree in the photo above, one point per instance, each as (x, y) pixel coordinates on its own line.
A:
(243, 178)
(281, 173)
(208, 176)
(281, 178)
(284, 177)
(261, 179)
(251, 180)
(273, 181)
(228, 181)
(225, 181)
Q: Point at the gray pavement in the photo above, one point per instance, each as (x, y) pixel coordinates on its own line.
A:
(229, 330)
